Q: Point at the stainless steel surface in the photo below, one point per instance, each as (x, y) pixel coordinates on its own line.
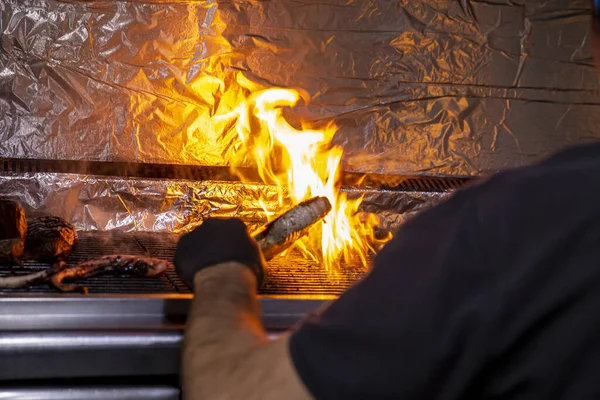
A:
(131, 326)
(61, 341)
(90, 393)
(45, 337)
(49, 312)
(88, 353)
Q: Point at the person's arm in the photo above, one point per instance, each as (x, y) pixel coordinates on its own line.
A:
(452, 306)
(226, 353)
(417, 326)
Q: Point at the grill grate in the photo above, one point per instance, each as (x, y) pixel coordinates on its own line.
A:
(404, 183)
(292, 274)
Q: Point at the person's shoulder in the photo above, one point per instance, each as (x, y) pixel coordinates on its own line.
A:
(569, 173)
(572, 162)
(575, 155)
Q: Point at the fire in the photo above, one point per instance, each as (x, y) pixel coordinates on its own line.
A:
(243, 120)
(302, 163)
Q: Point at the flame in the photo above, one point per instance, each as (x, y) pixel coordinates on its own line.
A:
(302, 163)
(245, 121)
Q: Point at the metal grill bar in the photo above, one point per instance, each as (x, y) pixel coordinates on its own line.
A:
(289, 275)
(192, 172)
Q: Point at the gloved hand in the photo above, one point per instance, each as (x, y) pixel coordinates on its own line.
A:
(214, 242)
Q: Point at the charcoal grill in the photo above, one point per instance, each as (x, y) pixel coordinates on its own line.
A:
(130, 327)
(101, 102)
(127, 326)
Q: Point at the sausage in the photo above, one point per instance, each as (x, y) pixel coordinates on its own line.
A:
(282, 232)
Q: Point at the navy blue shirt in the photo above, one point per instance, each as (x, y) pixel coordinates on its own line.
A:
(495, 293)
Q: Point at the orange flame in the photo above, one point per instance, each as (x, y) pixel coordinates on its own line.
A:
(245, 122)
(301, 163)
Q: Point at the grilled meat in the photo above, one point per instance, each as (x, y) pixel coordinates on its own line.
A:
(36, 278)
(13, 229)
(282, 232)
(273, 239)
(50, 239)
(117, 264)
(138, 265)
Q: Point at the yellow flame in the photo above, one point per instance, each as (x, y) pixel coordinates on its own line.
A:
(245, 121)
(302, 163)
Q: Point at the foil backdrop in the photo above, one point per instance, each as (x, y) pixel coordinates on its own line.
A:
(112, 203)
(416, 87)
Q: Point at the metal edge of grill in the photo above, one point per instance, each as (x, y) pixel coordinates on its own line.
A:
(93, 336)
(191, 172)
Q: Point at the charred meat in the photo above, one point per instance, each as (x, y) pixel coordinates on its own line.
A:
(116, 264)
(282, 232)
(50, 239)
(13, 229)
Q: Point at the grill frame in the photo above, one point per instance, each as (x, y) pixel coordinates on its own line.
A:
(75, 337)
(133, 326)
(127, 325)
(94, 392)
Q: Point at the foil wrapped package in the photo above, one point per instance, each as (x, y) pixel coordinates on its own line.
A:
(100, 203)
(415, 87)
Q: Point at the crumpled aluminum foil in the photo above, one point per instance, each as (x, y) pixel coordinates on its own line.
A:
(102, 203)
(415, 87)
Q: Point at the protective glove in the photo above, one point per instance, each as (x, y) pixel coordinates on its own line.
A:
(217, 241)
